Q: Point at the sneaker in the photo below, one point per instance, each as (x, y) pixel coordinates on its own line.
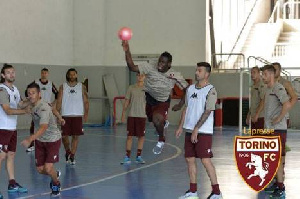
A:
(67, 156)
(214, 196)
(126, 160)
(158, 148)
(72, 160)
(139, 160)
(189, 195)
(58, 173)
(30, 149)
(1, 196)
(12, 188)
(55, 190)
(271, 188)
(278, 193)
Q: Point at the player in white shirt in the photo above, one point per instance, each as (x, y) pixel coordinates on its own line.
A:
(197, 120)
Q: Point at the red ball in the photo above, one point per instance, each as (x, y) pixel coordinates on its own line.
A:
(125, 33)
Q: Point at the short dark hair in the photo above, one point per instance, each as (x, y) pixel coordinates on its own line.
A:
(45, 69)
(5, 66)
(278, 64)
(68, 72)
(33, 85)
(206, 65)
(268, 68)
(167, 55)
(255, 68)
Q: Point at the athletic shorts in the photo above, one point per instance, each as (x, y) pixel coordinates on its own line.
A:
(73, 126)
(283, 135)
(8, 140)
(201, 149)
(136, 126)
(46, 152)
(258, 125)
(160, 108)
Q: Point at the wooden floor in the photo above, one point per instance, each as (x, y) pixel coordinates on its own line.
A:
(98, 173)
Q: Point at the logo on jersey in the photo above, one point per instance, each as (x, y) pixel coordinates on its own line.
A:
(257, 159)
(44, 88)
(194, 95)
(72, 91)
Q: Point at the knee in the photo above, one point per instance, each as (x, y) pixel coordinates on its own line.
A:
(129, 138)
(11, 155)
(190, 161)
(75, 137)
(206, 162)
(2, 156)
(40, 169)
(48, 169)
(157, 120)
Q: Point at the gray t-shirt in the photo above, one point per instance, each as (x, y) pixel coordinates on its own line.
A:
(159, 85)
(4, 97)
(257, 94)
(42, 114)
(274, 98)
(137, 98)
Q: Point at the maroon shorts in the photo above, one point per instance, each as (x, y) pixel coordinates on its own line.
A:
(201, 149)
(73, 126)
(8, 140)
(160, 108)
(136, 126)
(282, 134)
(258, 125)
(46, 152)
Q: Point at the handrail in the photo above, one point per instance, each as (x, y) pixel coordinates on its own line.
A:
(238, 38)
(260, 59)
(229, 54)
(286, 6)
(276, 9)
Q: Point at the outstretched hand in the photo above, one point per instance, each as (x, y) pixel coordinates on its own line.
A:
(125, 45)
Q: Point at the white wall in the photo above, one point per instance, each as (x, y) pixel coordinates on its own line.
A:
(36, 31)
(173, 25)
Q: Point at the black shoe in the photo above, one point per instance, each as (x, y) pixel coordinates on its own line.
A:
(72, 160)
(278, 193)
(58, 173)
(55, 190)
(67, 156)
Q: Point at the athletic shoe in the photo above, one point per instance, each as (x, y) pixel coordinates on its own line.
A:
(72, 160)
(287, 148)
(271, 188)
(12, 188)
(126, 160)
(214, 196)
(139, 160)
(1, 196)
(67, 156)
(58, 174)
(158, 148)
(189, 195)
(278, 193)
(55, 190)
(30, 149)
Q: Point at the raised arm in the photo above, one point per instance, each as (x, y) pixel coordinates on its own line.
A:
(128, 57)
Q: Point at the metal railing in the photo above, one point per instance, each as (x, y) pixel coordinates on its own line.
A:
(228, 61)
(291, 10)
(276, 13)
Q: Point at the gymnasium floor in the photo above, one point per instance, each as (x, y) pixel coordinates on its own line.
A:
(98, 173)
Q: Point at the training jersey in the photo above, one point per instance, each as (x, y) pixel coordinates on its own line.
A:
(47, 89)
(72, 100)
(42, 114)
(257, 94)
(12, 97)
(159, 85)
(197, 101)
(137, 105)
(274, 98)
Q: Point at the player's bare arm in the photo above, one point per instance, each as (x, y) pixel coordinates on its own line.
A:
(179, 130)
(291, 92)
(285, 109)
(128, 57)
(59, 98)
(39, 133)
(125, 106)
(178, 106)
(259, 110)
(85, 103)
(201, 121)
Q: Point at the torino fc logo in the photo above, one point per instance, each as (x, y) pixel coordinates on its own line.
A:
(257, 159)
